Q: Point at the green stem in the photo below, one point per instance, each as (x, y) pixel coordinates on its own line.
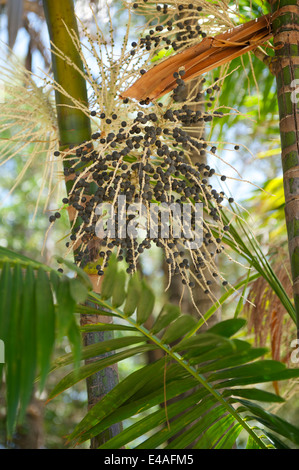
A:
(286, 69)
(75, 129)
(73, 124)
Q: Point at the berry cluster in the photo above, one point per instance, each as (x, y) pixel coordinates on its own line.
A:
(180, 28)
(142, 151)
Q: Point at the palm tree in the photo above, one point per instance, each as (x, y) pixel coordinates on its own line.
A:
(61, 42)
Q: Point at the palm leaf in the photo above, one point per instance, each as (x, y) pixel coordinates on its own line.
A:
(30, 324)
(215, 369)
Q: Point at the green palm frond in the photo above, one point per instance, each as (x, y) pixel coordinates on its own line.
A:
(221, 373)
(31, 323)
(215, 377)
(241, 239)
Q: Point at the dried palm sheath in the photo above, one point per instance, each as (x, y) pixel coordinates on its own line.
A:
(210, 53)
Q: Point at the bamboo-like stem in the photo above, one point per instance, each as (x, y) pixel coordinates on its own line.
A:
(74, 129)
(74, 126)
(286, 69)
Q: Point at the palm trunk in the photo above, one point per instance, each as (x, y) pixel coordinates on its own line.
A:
(74, 129)
(286, 69)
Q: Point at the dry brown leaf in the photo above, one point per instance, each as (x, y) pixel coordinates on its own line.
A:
(210, 53)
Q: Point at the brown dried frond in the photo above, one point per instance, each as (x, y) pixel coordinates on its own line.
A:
(210, 53)
(267, 317)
